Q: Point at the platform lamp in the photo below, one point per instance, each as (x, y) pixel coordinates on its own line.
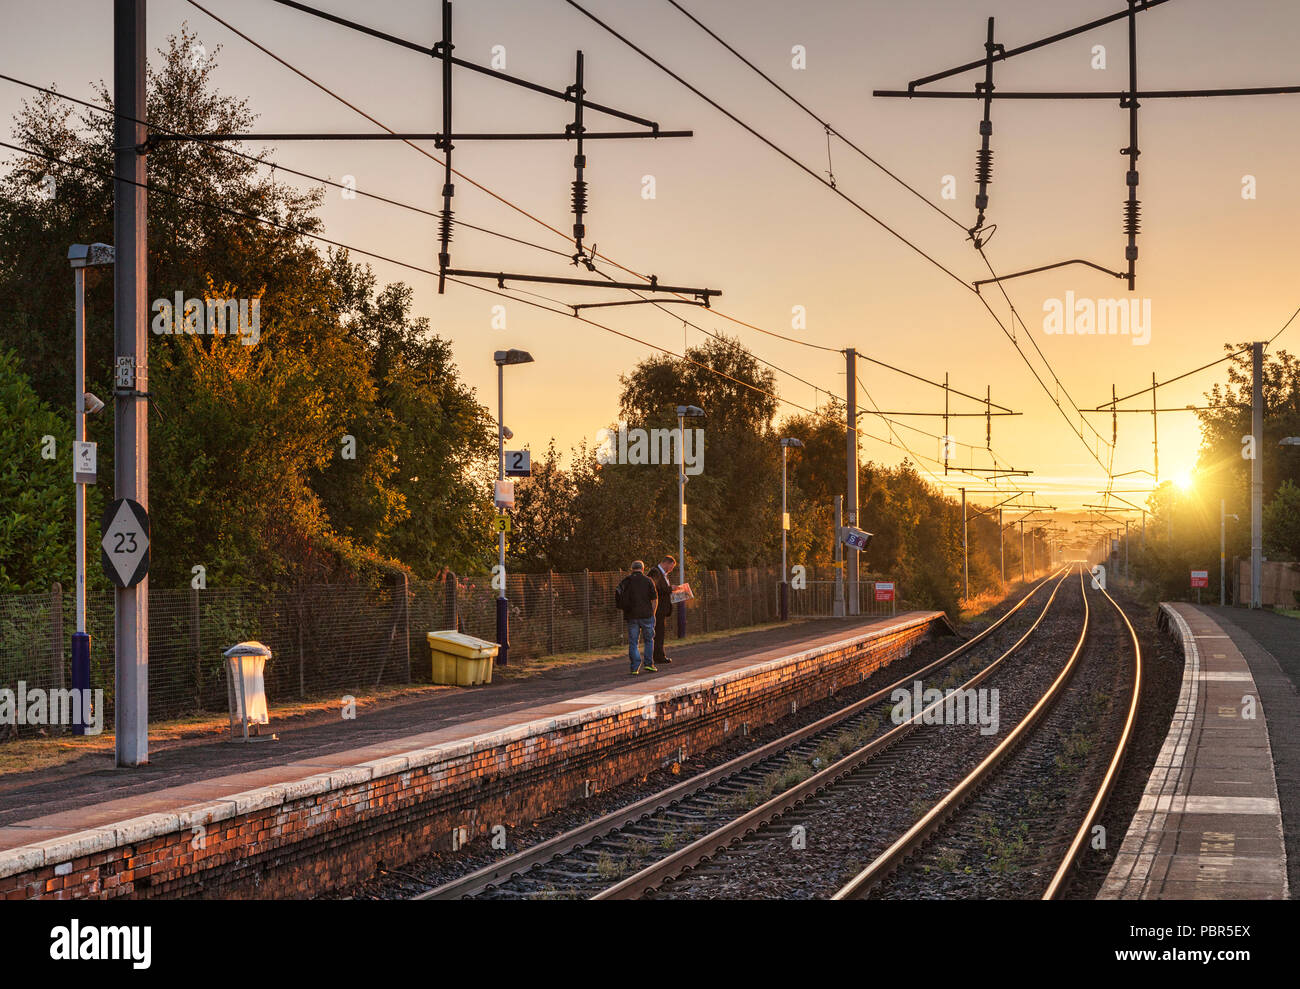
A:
(684, 412)
(786, 443)
(502, 358)
(81, 257)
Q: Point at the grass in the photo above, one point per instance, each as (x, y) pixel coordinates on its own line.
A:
(29, 753)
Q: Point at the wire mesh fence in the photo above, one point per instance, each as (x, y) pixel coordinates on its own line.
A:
(333, 639)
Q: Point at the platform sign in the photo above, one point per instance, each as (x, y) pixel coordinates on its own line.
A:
(884, 590)
(518, 463)
(501, 523)
(84, 462)
(854, 538)
(1200, 578)
(124, 550)
(504, 494)
(1098, 578)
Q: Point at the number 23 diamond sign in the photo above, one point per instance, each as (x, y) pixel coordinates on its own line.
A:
(124, 550)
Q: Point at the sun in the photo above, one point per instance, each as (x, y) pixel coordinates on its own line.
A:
(1184, 481)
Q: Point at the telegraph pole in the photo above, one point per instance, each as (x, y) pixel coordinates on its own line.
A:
(851, 495)
(838, 608)
(965, 552)
(131, 372)
(1257, 472)
(1002, 548)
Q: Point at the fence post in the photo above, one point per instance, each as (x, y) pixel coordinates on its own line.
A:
(550, 611)
(196, 644)
(704, 598)
(586, 610)
(406, 623)
(749, 575)
(56, 635)
(450, 584)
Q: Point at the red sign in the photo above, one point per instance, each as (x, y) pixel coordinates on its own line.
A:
(1200, 578)
(884, 590)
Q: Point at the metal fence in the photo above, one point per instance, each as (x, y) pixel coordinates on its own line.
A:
(333, 639)
(816, 599)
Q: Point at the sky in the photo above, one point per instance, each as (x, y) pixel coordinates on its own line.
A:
(730, 213)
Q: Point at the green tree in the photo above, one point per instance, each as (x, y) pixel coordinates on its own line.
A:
(1282, 523)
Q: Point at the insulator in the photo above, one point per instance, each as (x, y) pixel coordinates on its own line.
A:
(1132, 216)
(446, 218)
(984, 166)
(579, 197)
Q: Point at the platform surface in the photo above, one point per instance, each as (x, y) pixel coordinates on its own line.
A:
(49, 804)
(1209, 825)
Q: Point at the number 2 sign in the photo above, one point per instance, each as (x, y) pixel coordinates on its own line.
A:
(518, 463)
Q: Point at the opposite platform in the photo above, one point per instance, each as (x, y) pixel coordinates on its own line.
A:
(1209, 825)
(329, 816)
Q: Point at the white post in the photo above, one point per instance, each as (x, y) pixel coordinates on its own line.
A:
(79, 430)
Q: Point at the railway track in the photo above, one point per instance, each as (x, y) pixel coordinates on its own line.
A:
(672, 829)
(955, 820)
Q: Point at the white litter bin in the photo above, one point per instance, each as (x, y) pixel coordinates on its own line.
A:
(246, 689)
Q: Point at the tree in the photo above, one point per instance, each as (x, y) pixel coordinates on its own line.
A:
(1282, 523)
(339, 440)
(36, 524)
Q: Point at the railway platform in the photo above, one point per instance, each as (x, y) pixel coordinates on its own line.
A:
(327, 804)
(1210, 823)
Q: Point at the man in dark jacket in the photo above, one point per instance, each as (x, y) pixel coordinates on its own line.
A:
(637, 596)
(664, 586)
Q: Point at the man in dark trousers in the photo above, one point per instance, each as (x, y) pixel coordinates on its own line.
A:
(638, 598)
(664, 586)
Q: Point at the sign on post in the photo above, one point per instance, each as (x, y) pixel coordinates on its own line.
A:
(518, 463)
(884, 590)
(84, 462)
(501, 523)
(504, 494)
(124, 549)
(1200, 578)
(854, 538)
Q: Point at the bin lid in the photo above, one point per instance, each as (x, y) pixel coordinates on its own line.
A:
(248, 649)
(458, 643)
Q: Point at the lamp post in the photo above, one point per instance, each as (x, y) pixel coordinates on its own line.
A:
(81, 257)
(786, 443)
(502, 358)
(684, 412)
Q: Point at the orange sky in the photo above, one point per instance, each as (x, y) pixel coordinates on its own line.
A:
(731, 214)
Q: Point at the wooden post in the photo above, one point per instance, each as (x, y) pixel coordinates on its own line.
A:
(196, 646)
(586, 610)
(450, 604)
(406, 625)
(56, 635)
(550, 612)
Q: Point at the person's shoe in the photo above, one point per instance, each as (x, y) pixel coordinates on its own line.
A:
(635, 673)
(652, 668)
(663, 659)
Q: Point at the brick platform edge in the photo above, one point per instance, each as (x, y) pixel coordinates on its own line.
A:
(332, 829)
